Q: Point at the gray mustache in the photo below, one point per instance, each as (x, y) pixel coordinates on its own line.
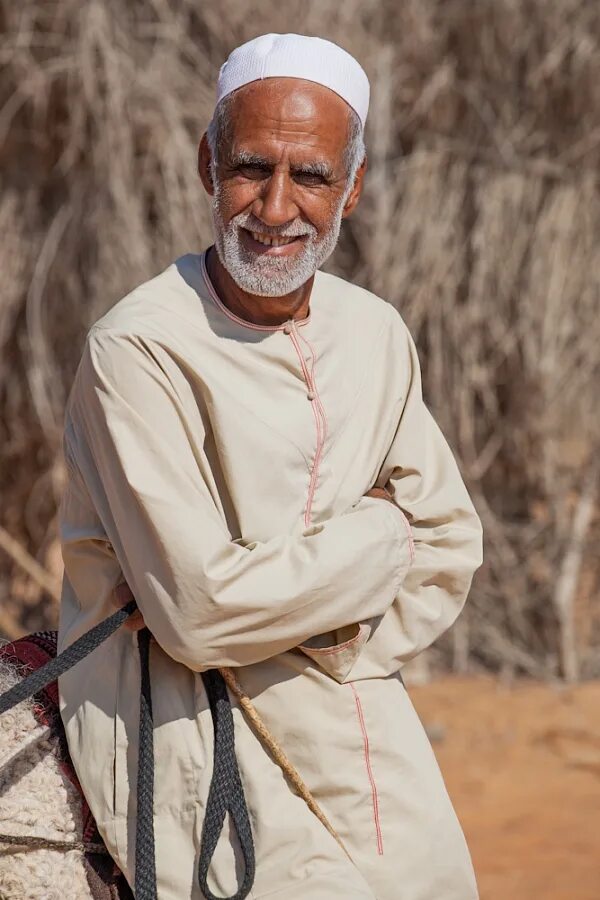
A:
(295, 229)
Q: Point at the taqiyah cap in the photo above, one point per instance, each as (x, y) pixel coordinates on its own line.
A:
(297, 56)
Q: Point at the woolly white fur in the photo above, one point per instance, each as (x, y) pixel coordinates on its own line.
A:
(36, 798)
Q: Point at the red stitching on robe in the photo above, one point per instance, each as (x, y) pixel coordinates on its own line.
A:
(321, 428)
(363, 729)
(337, 647)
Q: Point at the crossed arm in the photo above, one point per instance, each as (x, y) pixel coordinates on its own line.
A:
(209, 601)
(123, 594)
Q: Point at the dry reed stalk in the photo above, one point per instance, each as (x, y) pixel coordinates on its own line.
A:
(480, 222)
(287, 767)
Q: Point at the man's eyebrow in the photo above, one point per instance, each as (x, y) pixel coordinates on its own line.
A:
(317, 167)
(247, 158)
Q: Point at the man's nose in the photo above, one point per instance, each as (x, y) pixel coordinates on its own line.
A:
(276, 205)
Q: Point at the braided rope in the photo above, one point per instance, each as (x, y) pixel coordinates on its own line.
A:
(226, 793)
(145, 860)
(65, 660)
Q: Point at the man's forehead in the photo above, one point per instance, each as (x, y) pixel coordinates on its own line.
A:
(288, 115)
(293, 101)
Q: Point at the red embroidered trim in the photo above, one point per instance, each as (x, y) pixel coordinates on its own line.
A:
(321, 409)
(363, 729)
(335, 649)
(317, 405)
(320, 419)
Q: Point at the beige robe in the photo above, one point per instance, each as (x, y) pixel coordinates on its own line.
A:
(220, 467)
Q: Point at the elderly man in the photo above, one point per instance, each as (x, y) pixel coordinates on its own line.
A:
(248, 449)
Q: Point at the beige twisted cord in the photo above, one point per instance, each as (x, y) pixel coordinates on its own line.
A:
(35, 842)
(278, 754)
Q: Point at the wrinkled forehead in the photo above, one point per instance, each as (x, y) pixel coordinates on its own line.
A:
(287, 111)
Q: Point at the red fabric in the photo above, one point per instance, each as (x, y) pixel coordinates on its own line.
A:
(31, 653)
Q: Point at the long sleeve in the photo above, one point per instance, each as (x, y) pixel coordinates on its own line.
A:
(207, 599)
(421, 473)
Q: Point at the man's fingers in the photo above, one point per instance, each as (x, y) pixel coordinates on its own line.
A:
(122, 595)
(380, 493)
(135, 622)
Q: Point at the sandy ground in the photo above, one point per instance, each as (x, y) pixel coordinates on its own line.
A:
(522, 765)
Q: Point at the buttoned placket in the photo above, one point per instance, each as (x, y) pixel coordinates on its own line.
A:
(290, 328)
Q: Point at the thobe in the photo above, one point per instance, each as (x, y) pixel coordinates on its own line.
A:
(219, 468)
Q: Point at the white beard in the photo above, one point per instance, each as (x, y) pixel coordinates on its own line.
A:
(261, 274)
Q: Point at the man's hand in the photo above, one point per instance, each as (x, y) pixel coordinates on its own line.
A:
(120, 597)
(381, 493)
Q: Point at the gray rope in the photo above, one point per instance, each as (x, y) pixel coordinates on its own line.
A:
(226, 793)
(145, 862)
(64, 661)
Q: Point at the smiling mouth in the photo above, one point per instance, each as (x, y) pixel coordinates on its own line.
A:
(272, 240)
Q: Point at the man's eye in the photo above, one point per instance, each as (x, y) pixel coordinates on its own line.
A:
(309, 179)
(254, 171)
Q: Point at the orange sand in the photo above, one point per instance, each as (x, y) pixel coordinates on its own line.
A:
(522, 765)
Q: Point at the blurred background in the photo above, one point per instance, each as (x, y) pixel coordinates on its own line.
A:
(480, 223)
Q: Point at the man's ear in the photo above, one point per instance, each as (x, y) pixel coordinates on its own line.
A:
(354, 195)
(204, 165)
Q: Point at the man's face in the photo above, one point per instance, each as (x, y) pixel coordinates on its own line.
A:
(281, 185)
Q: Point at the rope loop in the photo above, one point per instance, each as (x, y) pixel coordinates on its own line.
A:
(226, 792)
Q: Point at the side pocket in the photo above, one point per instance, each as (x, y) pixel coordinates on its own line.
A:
(338, 659)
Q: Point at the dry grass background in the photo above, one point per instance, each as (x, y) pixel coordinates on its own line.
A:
(481, 223)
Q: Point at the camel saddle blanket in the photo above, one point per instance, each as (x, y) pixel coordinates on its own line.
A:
(106, 881)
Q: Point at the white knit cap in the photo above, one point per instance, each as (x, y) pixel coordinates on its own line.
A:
(297, 56)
